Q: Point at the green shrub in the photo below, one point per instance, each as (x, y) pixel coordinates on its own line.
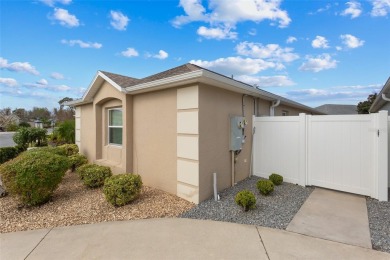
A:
(66, 131)
(76, 160)
(24, 124)
(22, 138)
(276, 178)
(53, 150)
(26, 136)
(8, 153)
(246, 199)
(70, 149)
(33, 176)
(121, 189)
(12, 128)
(93, 175)
(265, 187)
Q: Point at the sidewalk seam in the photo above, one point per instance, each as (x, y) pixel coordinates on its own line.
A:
(38, 243)
(258, 232)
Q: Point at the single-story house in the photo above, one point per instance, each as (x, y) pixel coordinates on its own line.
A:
(382, 101)
(337, 109)
(173, 127)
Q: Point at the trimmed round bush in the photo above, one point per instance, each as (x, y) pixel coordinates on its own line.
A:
(33, 176)
(76, 160)
(121, 189)
(54, 150)
(276, 178)
(93, 175)
(246, 199)
(265, 187)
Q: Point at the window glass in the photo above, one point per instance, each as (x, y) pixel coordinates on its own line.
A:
(115, 126)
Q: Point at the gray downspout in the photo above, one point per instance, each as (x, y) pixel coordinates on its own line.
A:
(272, 107)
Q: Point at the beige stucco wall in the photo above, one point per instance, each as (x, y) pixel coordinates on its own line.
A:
(215, 108)
(87, 133)
(291, 110)
(154, 149)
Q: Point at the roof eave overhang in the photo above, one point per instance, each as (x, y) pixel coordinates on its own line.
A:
(379, 101)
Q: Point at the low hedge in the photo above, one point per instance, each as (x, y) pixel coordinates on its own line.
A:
(93, 175)
(121, 189)
(276, 178)
(246, 199)
(70, 149)
(76, 160)
(8, 153)
(33, 176)
(265, 187)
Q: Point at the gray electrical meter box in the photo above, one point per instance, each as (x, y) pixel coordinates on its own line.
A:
(237, 125)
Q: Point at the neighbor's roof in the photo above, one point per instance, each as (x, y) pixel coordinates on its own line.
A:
(337, 109)
(379, 101)
(178, 76)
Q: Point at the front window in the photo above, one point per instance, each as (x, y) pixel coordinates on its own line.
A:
(115, 126)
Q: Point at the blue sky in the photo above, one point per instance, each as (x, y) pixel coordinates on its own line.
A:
(313, 52)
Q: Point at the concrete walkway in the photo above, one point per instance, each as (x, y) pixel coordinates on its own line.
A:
(173, 239)
(334, 215)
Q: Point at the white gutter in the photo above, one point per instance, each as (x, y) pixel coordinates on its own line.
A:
(272, 107)
(385, 98)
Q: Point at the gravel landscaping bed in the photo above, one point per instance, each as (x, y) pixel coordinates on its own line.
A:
(275, 210)
(74, 204)
(379, 219)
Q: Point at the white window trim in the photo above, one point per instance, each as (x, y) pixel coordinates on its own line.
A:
(108, 127)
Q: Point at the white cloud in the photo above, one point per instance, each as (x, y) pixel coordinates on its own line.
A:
(130, 52)
(81, 44)
(65, 18)
(320, 42)
(380, 7)
(118, 20)
(351, 41)
(321, 10)
(339, 48)
(61, 88)
(270, 51)
(291, 39)
(10, 82)
(18, 66)
(53, 2)
(226, 14)
(338, 94)
(236, 65)
(56, 75)
(42, 82)
(216, 33)
(264, 81)
(161, 55)
(354, 9)
(316, 64)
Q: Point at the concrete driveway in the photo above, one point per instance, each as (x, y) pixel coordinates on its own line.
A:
(173, 239)
(6, 139)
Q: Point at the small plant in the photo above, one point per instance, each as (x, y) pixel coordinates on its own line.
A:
(93, 175)
(265, 187)
(276, 178)
(66, 131)
(70, 149)
(33, 176)
(121, 189)
(246, 199)
(76, 160)
(8, 153)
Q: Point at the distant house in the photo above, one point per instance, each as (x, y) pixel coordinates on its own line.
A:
(337, 109)
(382, 101)
(173, 128)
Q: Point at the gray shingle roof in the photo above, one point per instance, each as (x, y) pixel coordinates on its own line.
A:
(336, 109)
(122, 81)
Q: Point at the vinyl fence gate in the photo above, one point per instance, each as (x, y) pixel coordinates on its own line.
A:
(341, 152)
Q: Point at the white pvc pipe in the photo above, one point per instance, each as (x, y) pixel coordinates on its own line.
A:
(232, 168)
(385, 98)
(215, 186)
(272, 108)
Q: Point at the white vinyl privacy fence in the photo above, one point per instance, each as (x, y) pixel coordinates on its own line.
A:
(344, 152)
